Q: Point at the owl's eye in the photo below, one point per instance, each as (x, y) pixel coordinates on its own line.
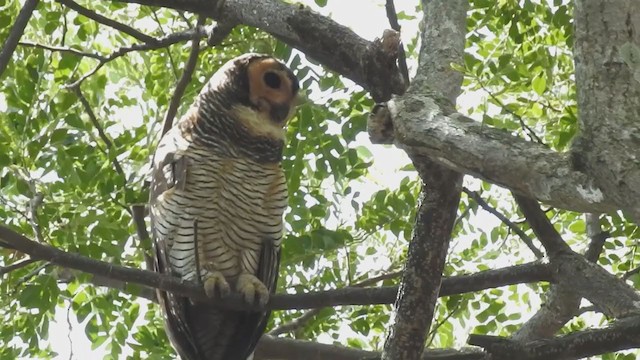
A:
(272, 80)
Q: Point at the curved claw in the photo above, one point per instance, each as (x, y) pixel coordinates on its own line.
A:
(252, 290)
(216, 283)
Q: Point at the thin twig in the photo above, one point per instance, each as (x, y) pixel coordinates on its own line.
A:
(527, 129)
(392, 15)
(15, 34)
(161, 43)
(515, 228)
(96, 124)
(62, 49)
(108, 22)
(184, 79)
(15, 266)
(630, 273)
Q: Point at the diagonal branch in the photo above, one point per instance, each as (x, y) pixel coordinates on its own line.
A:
(515, 228)
(576, 273)
(367, 63)
(163, 42)
(101, 133)
(108, 22)
(15, 266)
(15, 34)
(542, 227)
(184, 79)
(532, 272)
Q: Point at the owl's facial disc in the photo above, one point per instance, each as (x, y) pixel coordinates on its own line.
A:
(273, 89)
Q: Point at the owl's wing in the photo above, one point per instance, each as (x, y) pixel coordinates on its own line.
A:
(251, 325)
(170, 171)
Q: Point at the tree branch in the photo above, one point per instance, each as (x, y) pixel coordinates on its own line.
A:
(532, 272)
(515, 228)
(166, 41)
(581, 277)
(494, 155)
(542, 227)
(620, 336)
(64, 50)
(367, 63)
(270, 348)
(15, 266)
(562, 302)
(101, 133)
(15, 34)
(108, 22)
(185, 79)
(442, 45)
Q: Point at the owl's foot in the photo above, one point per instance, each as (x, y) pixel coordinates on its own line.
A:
(252, 290)
(216, 284)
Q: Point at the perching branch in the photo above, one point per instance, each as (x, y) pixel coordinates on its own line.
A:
(15, 34)
(270, 348)
(532, 272)
(108, 22)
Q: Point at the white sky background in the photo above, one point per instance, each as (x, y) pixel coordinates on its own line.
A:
(368, 19)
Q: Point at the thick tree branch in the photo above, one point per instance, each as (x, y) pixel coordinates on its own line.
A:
(442, 44)
(608, 97)
(15, 34)
(272, 348)
(581, 277)
(108, 22)
(494, 155)
(369, 64)
(620, 336)
(532, 272)
(542, 227)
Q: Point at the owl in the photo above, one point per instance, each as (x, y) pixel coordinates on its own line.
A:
(218, 194)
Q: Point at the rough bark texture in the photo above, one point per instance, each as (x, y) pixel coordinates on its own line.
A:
(442, 44)
(608, 98)
(461, 143)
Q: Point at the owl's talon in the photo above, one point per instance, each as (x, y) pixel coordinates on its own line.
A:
(215, 283)
(253, 291)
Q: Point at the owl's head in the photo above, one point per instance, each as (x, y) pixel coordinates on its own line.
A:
(258, 91)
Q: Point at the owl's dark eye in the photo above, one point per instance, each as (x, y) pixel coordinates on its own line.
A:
(272, 80)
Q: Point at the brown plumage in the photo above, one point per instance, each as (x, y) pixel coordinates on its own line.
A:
(218, 191)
